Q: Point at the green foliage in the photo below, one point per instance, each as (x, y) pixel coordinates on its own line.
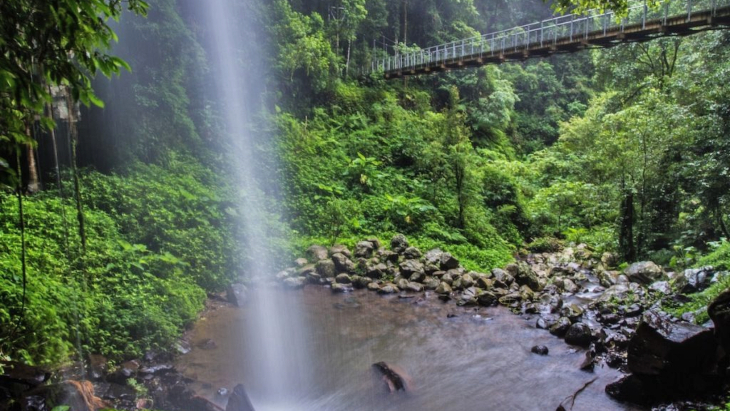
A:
(545, 245)
(719, 257)
(156, 239)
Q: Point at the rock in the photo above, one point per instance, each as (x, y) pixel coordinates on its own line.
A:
(572, 311)
(389, 256)
(393, 379)
(359, 281)
(545, 322)
(295, 283)
(364, 249)
(524, 275)
(418, 276)
(487, 299)
(373, 287)
(238, 401)
(237, 294)
(468, 297)
(409, 267)
(719, 312)
(485, 283)
(343, 279)
(316, 253)
(182, 347)
(502, 276)
(401, 283)
(431, 283)
(569, 286)
(510, 299)
(448, 261)
(399, 243)
(443, 288)
(206, 344)
(540, 350)
(526, 293)
(307, 269)
(326, 268)
(645, 272)
(607, 278)
(433, 257)
(388, 289)
(340, 288)
(377, 271)
(661, 347)
(447, 279)
(415, 287)
(694, 280)
(412, 253)
(560, 328)
(342, 263)
(467, 281)
(314, 278)
(609, 260)
(661, 287)
(97, 366)
(340, 249)
(590, 360)
(124, 372)
(578, 334)
(301, 262)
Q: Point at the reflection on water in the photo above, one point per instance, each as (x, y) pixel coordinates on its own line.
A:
(480, 360)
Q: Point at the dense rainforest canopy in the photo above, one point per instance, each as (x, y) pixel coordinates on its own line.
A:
(625, 149)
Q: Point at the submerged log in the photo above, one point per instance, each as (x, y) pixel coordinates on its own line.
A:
(392, 378)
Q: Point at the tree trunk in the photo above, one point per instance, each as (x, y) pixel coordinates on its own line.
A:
(33, 184)
(73, 137)
(347, 65)
(405, 22)
(626, 232)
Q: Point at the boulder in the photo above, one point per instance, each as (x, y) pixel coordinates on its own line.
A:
(359, 281)
(578, 334)
(399, 243)
(364, 249)
(661, 287)
(388, 289)
(431, 283)
(645, 272)
(409, 267)
(301, 262)
(304, 270)
(609, 260)
(342, 263)
(414, 287)
(487, 299)
(502, 279)
(340, 288)
(97, 365)
(719, 312)
(316, 253)
(448, 261)
(540, 350)
(236, 294)
(326, 268)
(466, 281)
(418, 276)
(373, 287)
(340, 249)
(661, 347)
(443, 288)
(412, 253)
(377, 271)
(343, 279)
(389, 256)
(295, 283)
(238, 401)
(561, 327)
(433, 257)
(694, 280)
(523, 275)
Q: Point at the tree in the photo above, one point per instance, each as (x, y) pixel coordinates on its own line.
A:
(580, 6)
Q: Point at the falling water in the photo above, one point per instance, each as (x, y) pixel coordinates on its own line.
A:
(275, 360)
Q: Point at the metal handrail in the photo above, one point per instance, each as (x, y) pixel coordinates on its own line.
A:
(551, 31)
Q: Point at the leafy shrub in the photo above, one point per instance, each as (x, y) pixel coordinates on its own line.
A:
(545, 245)
(719, 257)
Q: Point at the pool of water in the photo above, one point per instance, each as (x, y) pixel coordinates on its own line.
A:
(479, 359)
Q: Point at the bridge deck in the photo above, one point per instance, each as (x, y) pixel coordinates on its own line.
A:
(597, 31)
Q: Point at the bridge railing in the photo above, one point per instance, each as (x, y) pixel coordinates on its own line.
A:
(572, 27)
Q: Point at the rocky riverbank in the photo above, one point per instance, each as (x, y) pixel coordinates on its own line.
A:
(616, 315)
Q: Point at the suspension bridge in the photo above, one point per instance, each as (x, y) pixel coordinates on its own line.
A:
(562, 34)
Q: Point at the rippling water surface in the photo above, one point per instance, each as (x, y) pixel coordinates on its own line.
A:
(479, 360)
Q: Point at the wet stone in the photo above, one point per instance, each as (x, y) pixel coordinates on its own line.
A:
(540, 350)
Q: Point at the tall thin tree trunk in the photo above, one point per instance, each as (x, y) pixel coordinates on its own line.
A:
(626, 232)
(405, 22)
(33, 184)
(347, 65)
(73, 137)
